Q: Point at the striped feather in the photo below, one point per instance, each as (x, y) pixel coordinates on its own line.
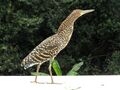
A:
(45, 51)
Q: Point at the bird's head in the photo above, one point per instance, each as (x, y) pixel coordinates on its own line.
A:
(73, 17)
(79, 12)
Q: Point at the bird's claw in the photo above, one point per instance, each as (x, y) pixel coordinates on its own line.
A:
(37, 82)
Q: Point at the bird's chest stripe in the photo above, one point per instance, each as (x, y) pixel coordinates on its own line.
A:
(53, 51)
(40, 57)
(45, 54)
(35, 59)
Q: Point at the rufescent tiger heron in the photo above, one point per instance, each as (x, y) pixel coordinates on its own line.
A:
(48, 49)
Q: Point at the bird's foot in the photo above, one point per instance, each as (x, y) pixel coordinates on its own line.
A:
(37, 82)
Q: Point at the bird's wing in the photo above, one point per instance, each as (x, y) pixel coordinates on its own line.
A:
(45, 51)
(50, 46)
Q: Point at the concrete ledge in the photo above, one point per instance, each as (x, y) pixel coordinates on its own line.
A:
(63, 83)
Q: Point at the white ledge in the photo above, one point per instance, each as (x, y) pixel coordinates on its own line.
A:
(63, 83)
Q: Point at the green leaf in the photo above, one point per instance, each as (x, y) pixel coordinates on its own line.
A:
(75, 68)
(56, 67)
(39, 74)
(72, 73)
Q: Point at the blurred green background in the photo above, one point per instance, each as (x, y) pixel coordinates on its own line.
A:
(95, 41)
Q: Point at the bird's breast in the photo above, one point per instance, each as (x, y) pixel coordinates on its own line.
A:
(65, 36)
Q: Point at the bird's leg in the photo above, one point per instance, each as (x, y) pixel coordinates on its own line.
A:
(37, 70)
(50, 71)
(38, 67)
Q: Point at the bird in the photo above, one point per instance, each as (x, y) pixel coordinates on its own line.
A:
(49, 48)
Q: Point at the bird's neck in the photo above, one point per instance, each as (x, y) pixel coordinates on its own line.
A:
(66, 28)
(68, 22)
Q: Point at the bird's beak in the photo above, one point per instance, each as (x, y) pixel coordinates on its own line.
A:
(86, 11)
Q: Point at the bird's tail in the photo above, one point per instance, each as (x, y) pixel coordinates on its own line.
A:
(27, 62)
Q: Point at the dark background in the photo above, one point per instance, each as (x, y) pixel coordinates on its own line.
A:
(95, 41)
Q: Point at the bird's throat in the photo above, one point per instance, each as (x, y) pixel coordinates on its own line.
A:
(68, 22)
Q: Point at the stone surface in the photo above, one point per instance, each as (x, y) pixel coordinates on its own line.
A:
(61, 83)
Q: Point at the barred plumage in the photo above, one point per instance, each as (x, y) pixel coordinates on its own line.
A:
(50, 47)
(45, 51)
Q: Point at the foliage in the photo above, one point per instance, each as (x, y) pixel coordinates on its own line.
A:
(39, 74)
(96, 38)
(114, 63)
(57, 69)
(75, 68)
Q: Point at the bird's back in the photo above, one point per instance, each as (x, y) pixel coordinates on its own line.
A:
(45, 51)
